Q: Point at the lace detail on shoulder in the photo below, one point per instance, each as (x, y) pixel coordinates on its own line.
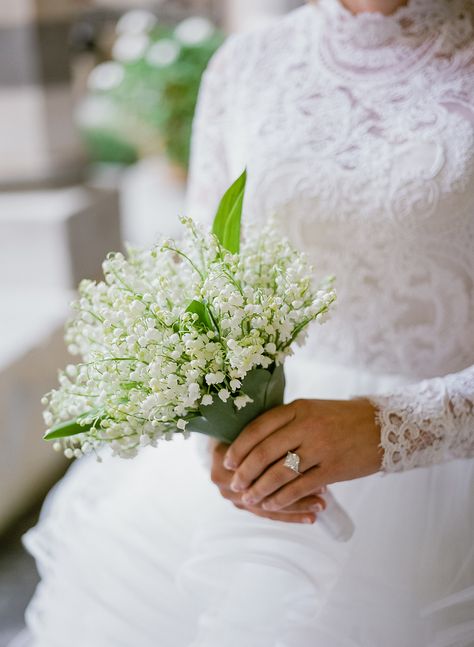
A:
(427, 423)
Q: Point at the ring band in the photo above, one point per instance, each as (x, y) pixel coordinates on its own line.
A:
(292, 461)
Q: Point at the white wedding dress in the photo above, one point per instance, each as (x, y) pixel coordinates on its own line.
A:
(358, 136)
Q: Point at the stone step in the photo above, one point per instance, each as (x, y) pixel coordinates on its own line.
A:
(38, 139)
(51, 239)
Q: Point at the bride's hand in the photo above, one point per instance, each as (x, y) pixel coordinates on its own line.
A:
(303, 511)
(336, 441)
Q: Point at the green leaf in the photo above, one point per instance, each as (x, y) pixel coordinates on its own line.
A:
(73, 427)
(227, 220)
(275, 388)
(221, 420)
(66, 429)
(202, 311)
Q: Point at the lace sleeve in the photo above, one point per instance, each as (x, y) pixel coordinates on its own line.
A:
(428, 423)
(209, 174)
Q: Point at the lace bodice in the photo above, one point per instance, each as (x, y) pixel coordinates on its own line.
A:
(358, 135)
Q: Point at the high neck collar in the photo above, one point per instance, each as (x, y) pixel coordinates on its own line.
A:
(371, 42)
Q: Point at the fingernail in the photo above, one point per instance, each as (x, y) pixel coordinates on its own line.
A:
(229, 464)
(248, 499)
(318, 508)
(236, 485)
(269, 505)
(308, 520)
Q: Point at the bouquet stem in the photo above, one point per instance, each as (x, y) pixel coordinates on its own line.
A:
(335, 520)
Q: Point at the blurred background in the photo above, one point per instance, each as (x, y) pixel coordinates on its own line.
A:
(96, 105)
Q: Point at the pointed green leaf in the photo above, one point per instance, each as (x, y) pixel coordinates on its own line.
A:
(275, 392)
(202, 311)
(227, 220)
(74, 427)
(66, 429)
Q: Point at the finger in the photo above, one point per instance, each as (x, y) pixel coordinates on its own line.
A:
(310, 503)
(230, 496)
(274, 477)
(271, 481)
(292, 517)
(256, 431)
(267, 452)
(295, 490)
(220, 476)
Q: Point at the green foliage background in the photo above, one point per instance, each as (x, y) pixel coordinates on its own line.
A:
(156, 104)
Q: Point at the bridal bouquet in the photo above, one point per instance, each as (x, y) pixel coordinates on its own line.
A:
(184, 337)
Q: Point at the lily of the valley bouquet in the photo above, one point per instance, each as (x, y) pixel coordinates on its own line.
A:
(184, 337)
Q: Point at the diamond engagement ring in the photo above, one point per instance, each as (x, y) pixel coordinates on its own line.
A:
(292, 461)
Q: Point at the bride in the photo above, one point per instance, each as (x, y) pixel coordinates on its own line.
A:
(355, 119)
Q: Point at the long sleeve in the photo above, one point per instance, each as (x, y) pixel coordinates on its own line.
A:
(209, 174)
(427, 423)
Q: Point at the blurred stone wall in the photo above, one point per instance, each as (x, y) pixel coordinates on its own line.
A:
(37, 137)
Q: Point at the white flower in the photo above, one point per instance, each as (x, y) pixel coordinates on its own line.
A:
(71, 370)
(235, 384)
(163, 53)
(206, 400)
(172, 380)
(224, 395)
(144, 440)
(194, 30)
(136, 22)
(181, 424)
(215, 378)
(194, 389)
(242, 400)
(48, 418)
(323, 317)
(106, 76)
(130, 48)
